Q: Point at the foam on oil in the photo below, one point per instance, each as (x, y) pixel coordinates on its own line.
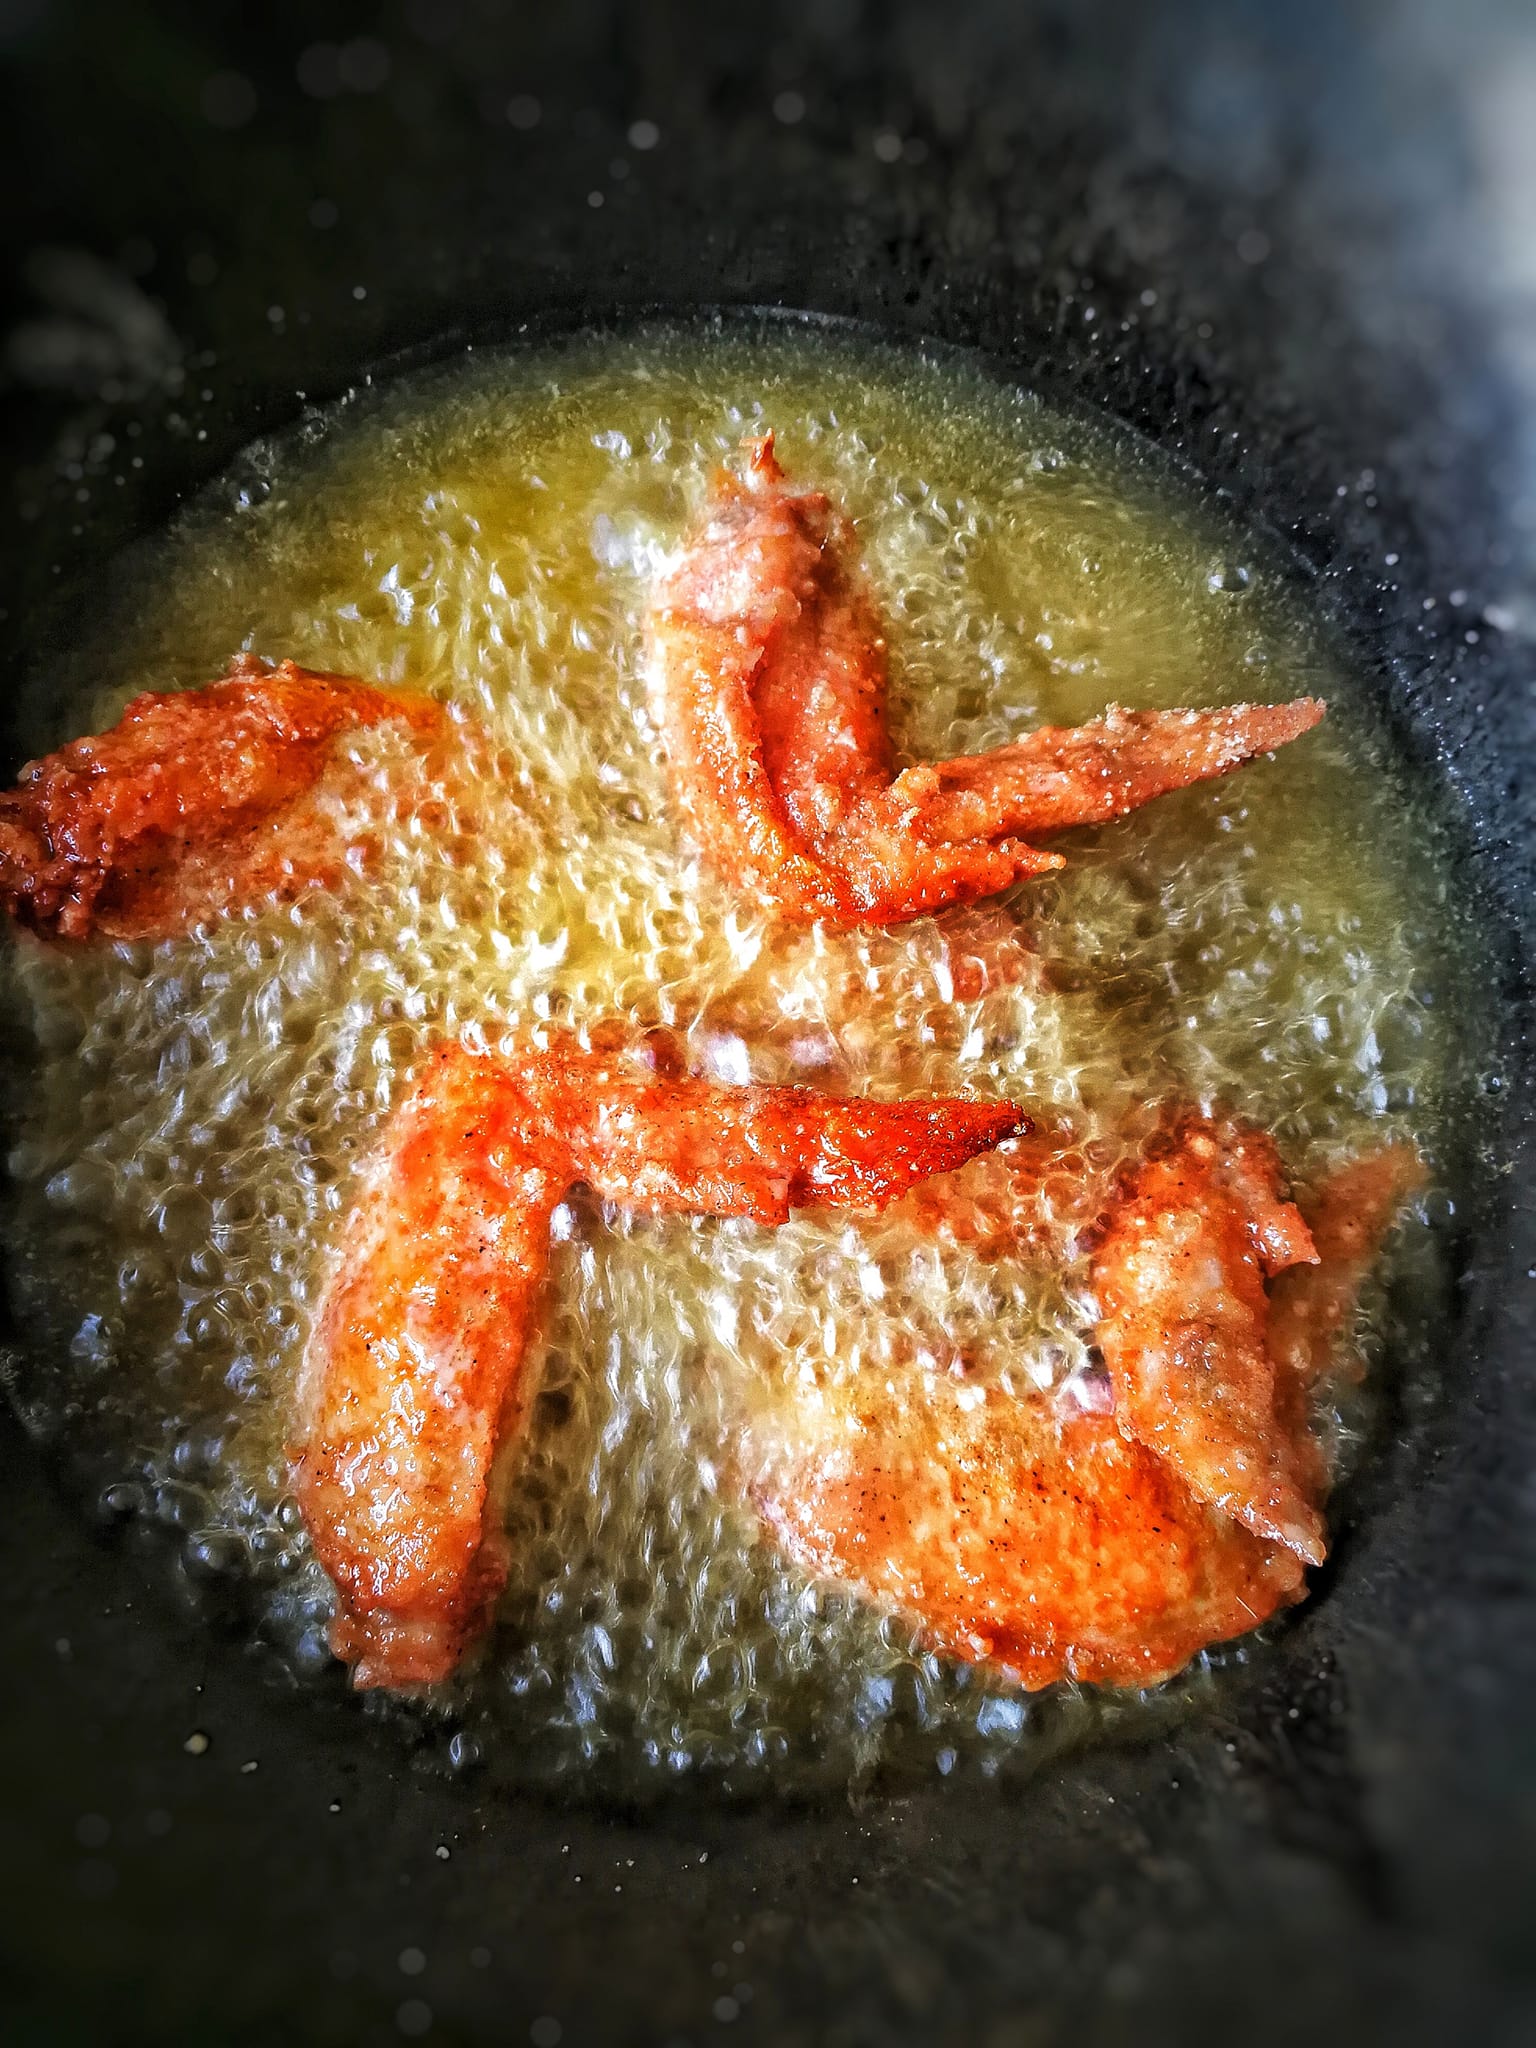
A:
(188, 1117)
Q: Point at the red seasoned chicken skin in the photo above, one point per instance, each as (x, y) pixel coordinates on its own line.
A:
(194, 802)
(414, 1381)
(770, 663)
(1109, 1538)
(1181, 1277)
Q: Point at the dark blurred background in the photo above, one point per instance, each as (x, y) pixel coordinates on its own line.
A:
(1301, 224)
(1294, 243)
(1342, 192)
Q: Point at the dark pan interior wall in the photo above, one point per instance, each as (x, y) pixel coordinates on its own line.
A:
(1290, 243)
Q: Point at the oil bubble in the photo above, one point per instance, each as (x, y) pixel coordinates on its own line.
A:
(194, 1115)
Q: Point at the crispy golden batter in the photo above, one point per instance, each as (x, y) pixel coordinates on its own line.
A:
(192, 803)
(413, 1375)
(771, 667)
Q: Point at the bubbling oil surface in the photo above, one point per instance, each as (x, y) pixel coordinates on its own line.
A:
(187, 1118)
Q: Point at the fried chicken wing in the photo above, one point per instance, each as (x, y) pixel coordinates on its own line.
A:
(754, 568)
(1108, 1539)
(1060, 776)
(1013, 1532)
(413, 1380)
(192, 802)
(414, 1367)
(1180, 1277)
(771, 667)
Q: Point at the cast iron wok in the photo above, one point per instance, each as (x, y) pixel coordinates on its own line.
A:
(1287, 247)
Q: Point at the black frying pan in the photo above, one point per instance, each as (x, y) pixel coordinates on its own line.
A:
(1287, 243)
